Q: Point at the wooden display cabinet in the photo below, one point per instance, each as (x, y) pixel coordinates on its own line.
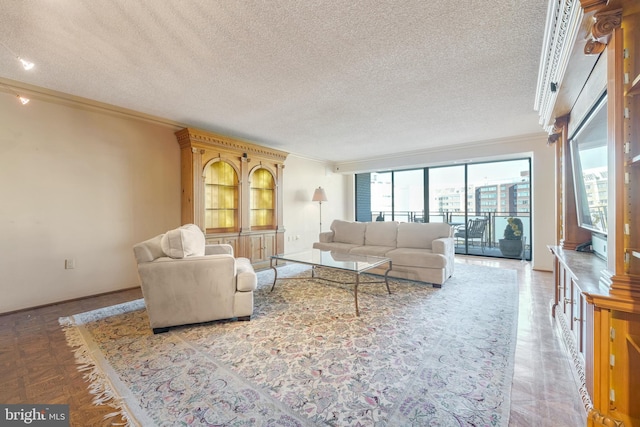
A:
(232, 190)
(597, 301)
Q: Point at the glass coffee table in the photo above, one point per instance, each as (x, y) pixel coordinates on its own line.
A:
(356, 264)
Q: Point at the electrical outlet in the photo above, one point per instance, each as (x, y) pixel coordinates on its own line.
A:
(69, 264)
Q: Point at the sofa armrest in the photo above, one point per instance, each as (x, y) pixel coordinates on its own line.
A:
(443, 245)
(326, 237)
(167, 276)
(218, 249)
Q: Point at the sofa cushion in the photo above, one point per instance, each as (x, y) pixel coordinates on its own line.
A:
(183, 242)
(371, 250)
(337, 247)
(348, 232)
(416, 258)
(381, 233)
(420, 235)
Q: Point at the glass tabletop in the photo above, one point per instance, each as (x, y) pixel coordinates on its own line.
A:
(337, 260)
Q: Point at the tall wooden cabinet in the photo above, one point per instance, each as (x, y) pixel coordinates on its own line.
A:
(593, 46)
(232, 190)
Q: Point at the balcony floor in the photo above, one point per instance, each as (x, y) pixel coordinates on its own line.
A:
(492, 251)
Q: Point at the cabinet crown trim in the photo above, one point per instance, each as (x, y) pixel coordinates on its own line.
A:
(187, 136)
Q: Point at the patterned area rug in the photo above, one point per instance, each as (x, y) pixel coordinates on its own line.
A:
(418, 357)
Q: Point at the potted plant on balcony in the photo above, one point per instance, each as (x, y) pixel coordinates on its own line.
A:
(511, 244)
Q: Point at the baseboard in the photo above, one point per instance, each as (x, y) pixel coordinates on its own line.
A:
(35, 307)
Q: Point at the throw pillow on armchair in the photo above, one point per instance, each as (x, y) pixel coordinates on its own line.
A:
(183, 242)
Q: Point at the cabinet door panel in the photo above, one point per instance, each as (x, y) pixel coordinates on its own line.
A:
(270, 245)
(257, 248)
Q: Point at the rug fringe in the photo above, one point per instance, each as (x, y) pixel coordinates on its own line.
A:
(99, 385)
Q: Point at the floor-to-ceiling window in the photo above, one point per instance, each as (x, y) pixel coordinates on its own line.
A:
(397, 196)
(382, 196)
(487, 204)
(408, 196)
(446, 194)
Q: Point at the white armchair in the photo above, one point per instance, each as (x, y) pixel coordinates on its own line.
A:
(192, 286)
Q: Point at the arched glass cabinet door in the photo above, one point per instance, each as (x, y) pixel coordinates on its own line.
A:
(220, 197)
(263, 200)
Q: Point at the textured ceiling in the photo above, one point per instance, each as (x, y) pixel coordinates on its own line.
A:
(334, 80)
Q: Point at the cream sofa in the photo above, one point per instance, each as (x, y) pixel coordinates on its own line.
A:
(418, 251)
(185, 281)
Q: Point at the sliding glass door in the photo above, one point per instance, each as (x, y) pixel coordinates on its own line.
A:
(500, 197)
(397, 196)
(447, 195)
(408, 196)
(382, 196)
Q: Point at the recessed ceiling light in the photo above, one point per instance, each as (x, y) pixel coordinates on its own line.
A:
(27, 65)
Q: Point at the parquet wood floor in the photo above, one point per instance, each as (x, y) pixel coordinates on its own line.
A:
(37, 366)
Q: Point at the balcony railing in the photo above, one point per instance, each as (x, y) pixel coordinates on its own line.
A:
(496, 223)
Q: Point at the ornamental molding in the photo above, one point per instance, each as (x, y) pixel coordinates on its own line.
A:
(563, 23)
(560, 123)
(557, 128)
(187, 137)
(601, 26)
(578, 366)
(573, 27)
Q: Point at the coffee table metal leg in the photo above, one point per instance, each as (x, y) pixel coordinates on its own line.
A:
(275, 275)
(386, 278)
(355, 293)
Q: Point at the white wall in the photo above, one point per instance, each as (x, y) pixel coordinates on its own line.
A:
(301, 215)
(79, 184)
(542, 184)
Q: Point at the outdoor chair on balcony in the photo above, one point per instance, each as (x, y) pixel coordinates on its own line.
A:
(473, 231)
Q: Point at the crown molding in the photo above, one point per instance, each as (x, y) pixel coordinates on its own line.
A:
(561, 30)
(424, 158)
(68, 100)
(188, 137)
